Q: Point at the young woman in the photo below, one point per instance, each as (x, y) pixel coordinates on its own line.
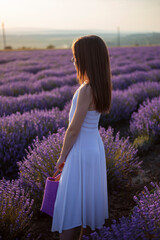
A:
(82, 195)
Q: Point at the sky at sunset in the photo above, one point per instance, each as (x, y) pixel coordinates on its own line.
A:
(105, 15)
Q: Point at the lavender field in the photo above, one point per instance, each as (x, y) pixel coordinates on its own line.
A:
(36, 89)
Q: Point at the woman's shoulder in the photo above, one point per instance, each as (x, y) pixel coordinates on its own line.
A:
(86, 93)
(86, 89)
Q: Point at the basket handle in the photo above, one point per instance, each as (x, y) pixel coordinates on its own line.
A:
(54, 175)
(58, 170)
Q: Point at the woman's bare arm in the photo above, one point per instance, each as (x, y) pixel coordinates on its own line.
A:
(83, 102)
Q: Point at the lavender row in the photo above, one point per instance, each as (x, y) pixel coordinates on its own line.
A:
(143, 222)
(124, 103)
(118, 55)
(35, 68)
(32, 86)
(37, 65)
(33, 61)
(146, 121)
(123, 60)
(17, 128)
(39, 164)
(121, 160)
(14, 75)
(123, 81)
(124, 56)
(17, 132)
(16, 85)
(15, 209)
(58, 97)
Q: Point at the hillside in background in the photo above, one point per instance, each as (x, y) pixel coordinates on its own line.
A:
(64, 39)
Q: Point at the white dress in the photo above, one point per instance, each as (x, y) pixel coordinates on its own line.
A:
(82, 194)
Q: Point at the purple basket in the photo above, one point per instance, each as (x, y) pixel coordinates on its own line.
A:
(49, 195)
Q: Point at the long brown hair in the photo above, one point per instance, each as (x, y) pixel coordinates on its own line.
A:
(92, 58)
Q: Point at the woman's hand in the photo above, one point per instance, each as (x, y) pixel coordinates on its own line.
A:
(60, 163)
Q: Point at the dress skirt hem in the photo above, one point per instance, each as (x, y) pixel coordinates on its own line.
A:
(78, 225)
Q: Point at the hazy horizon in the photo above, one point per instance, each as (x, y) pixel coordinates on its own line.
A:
(65, 39)
(36, 30)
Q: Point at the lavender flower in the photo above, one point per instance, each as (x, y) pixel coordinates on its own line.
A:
(143, 223)
(146, 121)
(121, 157)
(15, 208)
